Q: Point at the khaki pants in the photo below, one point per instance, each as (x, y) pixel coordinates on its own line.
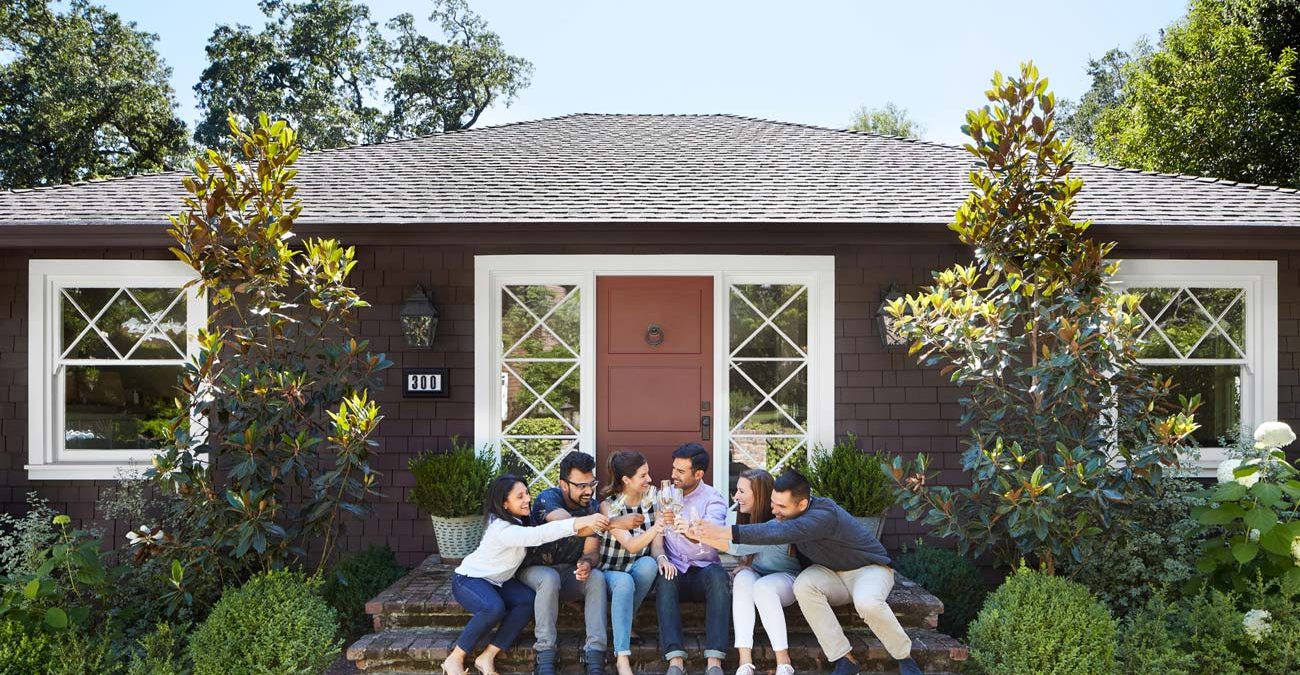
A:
(818, 589)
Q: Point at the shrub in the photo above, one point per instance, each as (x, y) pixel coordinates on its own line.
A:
(284, 457)
(1206, 633)
(1153, 545)
(451, 484)
(23, 651)
(1252, 528)
(25, 539)
(355, 581)
(75, 652)
(276, 624)
(71, 581)
(162, 652)
(1065, 424)
(1148, 645)
(856, 480)
(952, 578)
(1037, 623)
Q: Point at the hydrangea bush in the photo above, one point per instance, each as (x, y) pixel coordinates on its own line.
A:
(1251, 525)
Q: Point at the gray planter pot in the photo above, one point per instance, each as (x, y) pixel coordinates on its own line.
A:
(457, 537)
(876, 524)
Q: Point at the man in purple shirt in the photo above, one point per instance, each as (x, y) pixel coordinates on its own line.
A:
(690, 570)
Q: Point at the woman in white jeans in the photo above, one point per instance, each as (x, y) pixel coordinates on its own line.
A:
(764, 580)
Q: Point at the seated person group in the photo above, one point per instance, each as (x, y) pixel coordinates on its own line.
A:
(608, 553)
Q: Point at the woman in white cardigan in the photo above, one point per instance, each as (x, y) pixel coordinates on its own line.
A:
(484, 583)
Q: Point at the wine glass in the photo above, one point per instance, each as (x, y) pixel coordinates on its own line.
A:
(648, 498)
(665, 500)
(691, 528)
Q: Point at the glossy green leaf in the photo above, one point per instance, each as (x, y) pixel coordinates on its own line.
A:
(1225, 513)
(1245, 551)
(56, 618)
(1260, 518)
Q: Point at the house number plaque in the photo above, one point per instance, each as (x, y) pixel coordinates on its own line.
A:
(424, 383)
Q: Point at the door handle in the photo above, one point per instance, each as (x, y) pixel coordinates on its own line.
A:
(706, 427)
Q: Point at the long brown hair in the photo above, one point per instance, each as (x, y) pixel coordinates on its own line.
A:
(760, 483)
(622, 464)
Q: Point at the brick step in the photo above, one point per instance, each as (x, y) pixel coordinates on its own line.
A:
(422, 599)
(422, 650)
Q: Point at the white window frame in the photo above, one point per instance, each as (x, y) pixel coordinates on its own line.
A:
(491, 272)
(46, 454)
(1258, 278)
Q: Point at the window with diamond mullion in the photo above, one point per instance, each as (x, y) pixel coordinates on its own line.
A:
(767, 371)
(122, 351)
(540, 378)
(1197, 337)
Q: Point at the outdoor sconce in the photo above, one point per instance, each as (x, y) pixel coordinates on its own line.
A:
(419, 319)
(889, 335)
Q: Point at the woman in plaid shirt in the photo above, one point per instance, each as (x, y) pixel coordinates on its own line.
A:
(625, 554)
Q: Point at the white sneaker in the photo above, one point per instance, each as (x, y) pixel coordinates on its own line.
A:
(785, 669)
(745, 669)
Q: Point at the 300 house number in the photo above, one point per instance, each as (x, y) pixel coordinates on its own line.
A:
(425, 382)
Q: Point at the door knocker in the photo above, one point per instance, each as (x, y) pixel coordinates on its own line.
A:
(654, 335)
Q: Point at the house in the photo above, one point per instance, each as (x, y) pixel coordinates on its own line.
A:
(609, 281)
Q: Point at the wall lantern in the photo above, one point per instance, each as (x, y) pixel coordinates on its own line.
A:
(419, 319)
(889, 335)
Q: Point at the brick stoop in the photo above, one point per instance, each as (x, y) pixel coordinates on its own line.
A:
(421, 650)
(416, 620)
(422, 599)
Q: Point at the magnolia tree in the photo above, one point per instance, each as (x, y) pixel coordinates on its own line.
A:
(278, 452)
(1065, 427)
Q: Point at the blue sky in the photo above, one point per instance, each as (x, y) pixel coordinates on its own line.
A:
(812, 62)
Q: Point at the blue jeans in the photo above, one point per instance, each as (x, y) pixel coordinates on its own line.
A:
(627, 590)
(708, 584)
(509, 605)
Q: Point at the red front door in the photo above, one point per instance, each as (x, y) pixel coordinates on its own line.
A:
(654, 367)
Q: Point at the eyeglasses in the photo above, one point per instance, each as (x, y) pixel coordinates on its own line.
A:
(583, 486)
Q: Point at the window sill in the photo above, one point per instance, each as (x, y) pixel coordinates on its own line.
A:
(82, 471)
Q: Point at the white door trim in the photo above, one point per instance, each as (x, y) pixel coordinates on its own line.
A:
(492, 271)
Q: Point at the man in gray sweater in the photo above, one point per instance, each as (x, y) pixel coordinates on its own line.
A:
(848, 565)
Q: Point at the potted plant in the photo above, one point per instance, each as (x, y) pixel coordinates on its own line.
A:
(856, 480)
(450, 487)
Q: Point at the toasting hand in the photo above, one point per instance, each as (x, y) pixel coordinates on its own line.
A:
(598, 522)
(629, 522)
(711, 534)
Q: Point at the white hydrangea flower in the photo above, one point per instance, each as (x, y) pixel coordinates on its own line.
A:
(1295, 550)
(1227, 466)
(1256, 624)
(1274, 435)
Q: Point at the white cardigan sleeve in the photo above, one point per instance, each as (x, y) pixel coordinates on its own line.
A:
(509, 534)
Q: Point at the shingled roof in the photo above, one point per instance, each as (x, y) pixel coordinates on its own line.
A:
(657, 168)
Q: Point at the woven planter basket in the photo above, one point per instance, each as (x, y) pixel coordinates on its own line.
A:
(457, 537)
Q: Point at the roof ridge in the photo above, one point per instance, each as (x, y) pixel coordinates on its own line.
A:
(304, 154)
(92, 181)
(732, 116)
(1189, 177)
